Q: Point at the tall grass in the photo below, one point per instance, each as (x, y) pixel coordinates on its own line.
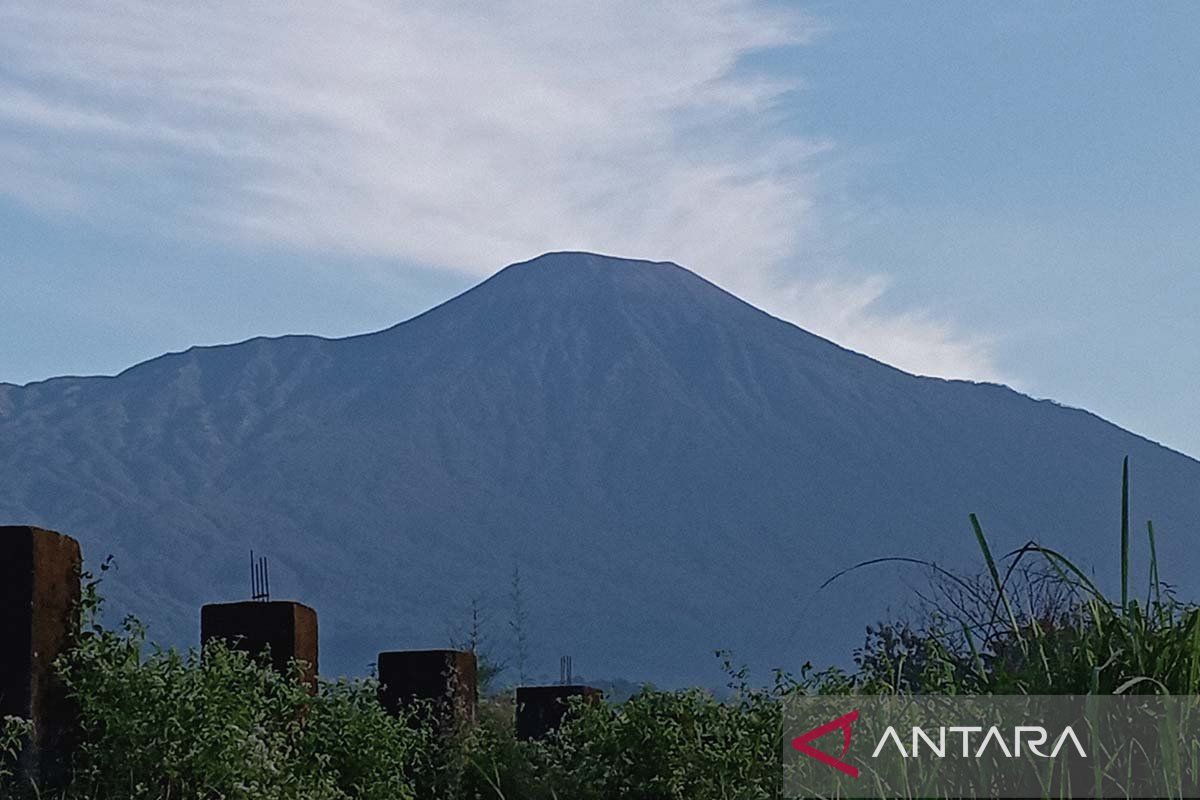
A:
(1034, 622)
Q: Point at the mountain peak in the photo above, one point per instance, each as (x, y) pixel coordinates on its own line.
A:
(603, 284)
(584, 258)
(577, 263)
(590, 302)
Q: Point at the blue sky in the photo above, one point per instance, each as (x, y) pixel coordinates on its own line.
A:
(990, 191)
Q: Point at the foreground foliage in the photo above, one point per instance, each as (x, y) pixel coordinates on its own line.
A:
(160, 725)
(163, 724)
(1034, 622)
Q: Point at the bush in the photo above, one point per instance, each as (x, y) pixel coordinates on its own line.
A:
(13, 731)
(157, 723)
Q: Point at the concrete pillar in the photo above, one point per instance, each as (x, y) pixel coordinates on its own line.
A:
(541, 710)
(39, 598)
(288, 630)
(445, 678)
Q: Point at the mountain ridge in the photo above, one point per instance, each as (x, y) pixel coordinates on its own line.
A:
(540, 258)
(661, 459)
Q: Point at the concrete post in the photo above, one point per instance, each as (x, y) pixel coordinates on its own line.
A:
(39, 599)
(445, 678)
(541, 710)
(287, 629)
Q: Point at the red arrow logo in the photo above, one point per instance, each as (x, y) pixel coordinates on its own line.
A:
(844, 722)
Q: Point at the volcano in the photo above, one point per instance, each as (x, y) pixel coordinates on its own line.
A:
(668, 469)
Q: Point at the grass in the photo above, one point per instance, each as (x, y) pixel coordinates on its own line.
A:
(1034, 622)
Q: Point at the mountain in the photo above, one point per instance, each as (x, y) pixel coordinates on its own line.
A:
(673, 471)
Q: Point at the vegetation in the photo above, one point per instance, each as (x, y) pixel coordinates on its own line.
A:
(159, 724)
(1035, 623)
(12, 731)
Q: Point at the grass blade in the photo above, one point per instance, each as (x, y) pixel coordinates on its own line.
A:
(1125, 535)
(995, 573)
(1153, 569)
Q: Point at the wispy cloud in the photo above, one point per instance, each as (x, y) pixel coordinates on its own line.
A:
(849, 313)
(458, 135)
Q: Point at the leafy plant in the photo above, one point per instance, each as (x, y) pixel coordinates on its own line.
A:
(14, 731)
(159, 723)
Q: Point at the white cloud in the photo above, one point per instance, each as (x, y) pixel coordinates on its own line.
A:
(848, 313)
(460, 135)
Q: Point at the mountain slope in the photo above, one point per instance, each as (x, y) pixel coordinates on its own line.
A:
(673, 470)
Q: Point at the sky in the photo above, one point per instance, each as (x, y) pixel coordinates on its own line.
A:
(1005, 192)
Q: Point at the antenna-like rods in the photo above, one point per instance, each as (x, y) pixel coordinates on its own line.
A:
(260, 579)
(565, 669)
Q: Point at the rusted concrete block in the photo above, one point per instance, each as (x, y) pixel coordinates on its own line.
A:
(444, 678)
(541, 710)
(39, 598)
(288, 630)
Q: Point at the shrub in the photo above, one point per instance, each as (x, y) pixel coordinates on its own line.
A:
(158, 723)
(13, 731)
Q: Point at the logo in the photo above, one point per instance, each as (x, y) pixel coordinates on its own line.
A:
(1002, 746)
(842, 723)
